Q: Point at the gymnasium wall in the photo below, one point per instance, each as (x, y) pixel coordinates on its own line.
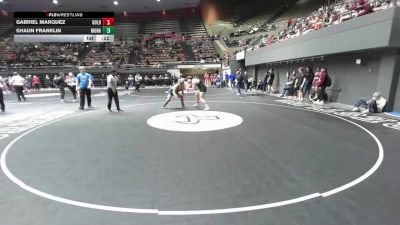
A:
(349, 80)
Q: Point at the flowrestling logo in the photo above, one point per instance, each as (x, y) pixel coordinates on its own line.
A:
(194, 121)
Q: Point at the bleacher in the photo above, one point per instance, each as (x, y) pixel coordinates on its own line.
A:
(300, 9)
(128, 31)
(195, 27)
(107, 54)
(5, 28)
(202, 47)
(157, 49)
(166, 26)
(196, 36)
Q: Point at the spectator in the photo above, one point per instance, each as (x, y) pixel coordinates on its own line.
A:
(47, 81)
(29, 82)
(2, 87)
(299, 82)
(240, 80)
(377, 104)
(265, 80)
(138, 82)
(270, 81)
(260, 85)
(103, 80)
(232, 79)
(131, 80)
(322, 83)
(36, 83)
(308, 79)
(245, 81)
(366, 8)
(60, 82)
(314, 91)
(207, 79)
(289, 86)
(71, 84)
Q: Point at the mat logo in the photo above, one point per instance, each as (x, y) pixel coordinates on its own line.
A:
(2, 136)
(390, 123)
(194, 121)
(17, 123)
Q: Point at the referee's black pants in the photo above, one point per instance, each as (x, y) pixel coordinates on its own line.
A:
(19, 90)
(62, 91)
(112, 94)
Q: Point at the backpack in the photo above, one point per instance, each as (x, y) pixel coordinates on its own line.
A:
(328, 81)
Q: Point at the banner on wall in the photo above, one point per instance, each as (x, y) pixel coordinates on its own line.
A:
(240, 55)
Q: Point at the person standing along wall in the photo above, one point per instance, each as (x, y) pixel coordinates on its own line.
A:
(245, 81)
(308, 82)
(270, 81)
(36, 83)
(322, 83)
(239, 82)
(232, 78)
(2, 87)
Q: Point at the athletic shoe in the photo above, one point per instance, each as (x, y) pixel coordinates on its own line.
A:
(365, 111)
(196, 105)
(356, 109)
(109, 110)
(74, 100)
(80, 108)
(120, 110)
(90, 107)
(238, 94)
(62, 101)
(206, 108)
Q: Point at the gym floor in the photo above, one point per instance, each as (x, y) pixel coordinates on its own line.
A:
(258, 160)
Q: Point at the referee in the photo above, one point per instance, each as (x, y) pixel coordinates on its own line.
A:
(112, 84)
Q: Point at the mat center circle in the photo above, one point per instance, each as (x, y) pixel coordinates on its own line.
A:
(194, 121)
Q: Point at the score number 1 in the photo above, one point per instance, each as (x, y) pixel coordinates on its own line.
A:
(108, 22)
